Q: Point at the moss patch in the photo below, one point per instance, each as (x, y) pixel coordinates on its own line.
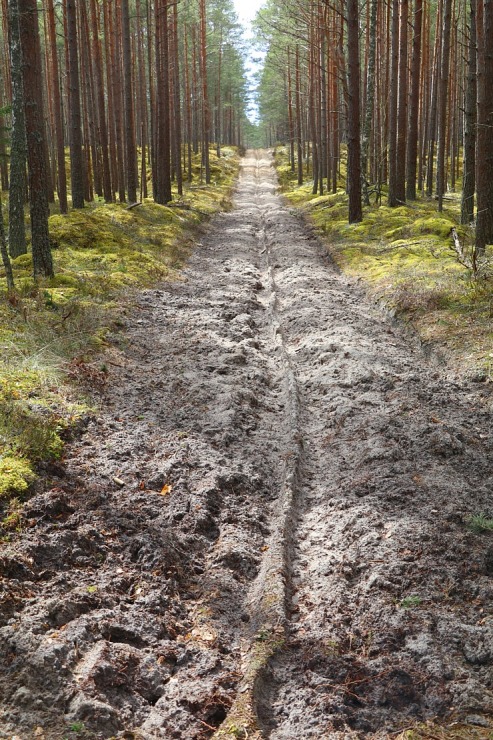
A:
(15, 475)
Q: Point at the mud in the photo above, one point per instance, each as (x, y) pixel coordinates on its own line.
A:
(260, 392)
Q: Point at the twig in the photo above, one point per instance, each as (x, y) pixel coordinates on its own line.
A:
(209, 727)
(458, 249)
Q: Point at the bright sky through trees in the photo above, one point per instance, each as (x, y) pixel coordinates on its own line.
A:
(247, 10)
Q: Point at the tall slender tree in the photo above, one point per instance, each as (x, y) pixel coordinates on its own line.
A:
(354, 145)
(76, 159)
(18, 154)
(35, 137)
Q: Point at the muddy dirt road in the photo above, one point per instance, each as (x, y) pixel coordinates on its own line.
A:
(275, 470)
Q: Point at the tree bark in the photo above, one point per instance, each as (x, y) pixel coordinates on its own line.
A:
(35, 137)
(354, 145)
(131, 150)
(76, 161)
(484, 151)
(370, 98)
(469, 178)
(393, 104)
(443, 99)
(17, 228)
(412, 139)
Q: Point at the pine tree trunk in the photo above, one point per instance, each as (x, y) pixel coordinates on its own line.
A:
(370, 98)
(9, 275)
(35, 137)
(131, 151)
(400, 175)
(412, 140)
(205, 98)
(76, 160)
(353, 124)
(469, 178)
(100, 102)
(484, 150)
(176, 100)
(299, 135)
(163, 138)
(57, 109)
(393, 104)
(17, 228)
(443, 99)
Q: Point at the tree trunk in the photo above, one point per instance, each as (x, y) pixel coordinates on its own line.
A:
(412, 140)
(393, 104)
(9, 275)
(131, 151)
(17, 228)
(35, 137)
(443, 98)
(370, 98)
(469, 178)
(354, 145)
(484, 150)
(76, 161)
(205, 98)
(100, 102)
(163, 139)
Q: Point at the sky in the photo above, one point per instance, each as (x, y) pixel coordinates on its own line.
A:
(246, 10)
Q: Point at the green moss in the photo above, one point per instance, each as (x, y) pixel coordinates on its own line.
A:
(433, 225)
(15, 476)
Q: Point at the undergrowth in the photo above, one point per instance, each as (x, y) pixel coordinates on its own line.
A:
(51, 331)
(406, 257)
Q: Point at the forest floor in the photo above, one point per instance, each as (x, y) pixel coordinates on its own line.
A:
(279, 524)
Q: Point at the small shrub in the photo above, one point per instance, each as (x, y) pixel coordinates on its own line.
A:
(480, 523)
(409, 602)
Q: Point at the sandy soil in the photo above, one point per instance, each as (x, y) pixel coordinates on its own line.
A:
(272, 453)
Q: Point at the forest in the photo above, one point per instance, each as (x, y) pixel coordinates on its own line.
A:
(245, 373)
(405, 85)
(133, 94)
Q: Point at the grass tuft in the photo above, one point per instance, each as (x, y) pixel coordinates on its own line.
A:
(480, 523)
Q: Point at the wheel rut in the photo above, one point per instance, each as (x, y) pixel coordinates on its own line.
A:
(263, 531)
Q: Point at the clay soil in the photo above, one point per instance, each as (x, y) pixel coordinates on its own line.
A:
(268, 446)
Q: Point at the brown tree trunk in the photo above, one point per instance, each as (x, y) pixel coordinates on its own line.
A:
(131, 150)
(484, 142)
(414, 108)
(205, 98)
(354, 146)
(469, 178)
(57, 109)
(76, 161)
(393, 199)
(100, 102)
(35, 137)
(163, 140)
(443, 99)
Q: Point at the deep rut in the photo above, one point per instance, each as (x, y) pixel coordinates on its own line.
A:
(264, 532)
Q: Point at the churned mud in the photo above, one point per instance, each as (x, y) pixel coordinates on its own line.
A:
(272, 457)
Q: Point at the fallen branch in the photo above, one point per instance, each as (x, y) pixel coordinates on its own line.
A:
(133, 205)
(463, 258)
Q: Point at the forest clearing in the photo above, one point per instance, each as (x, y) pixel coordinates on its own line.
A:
(245, 383)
